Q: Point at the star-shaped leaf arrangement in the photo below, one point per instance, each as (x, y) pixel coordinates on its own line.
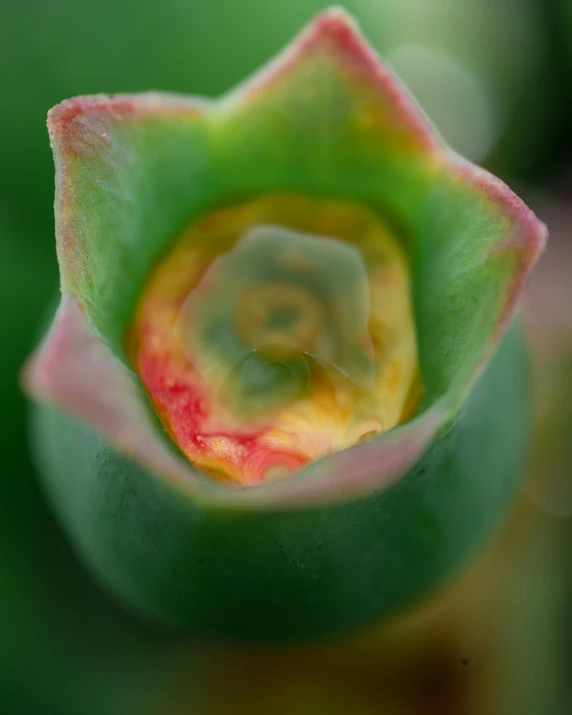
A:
(282, 394)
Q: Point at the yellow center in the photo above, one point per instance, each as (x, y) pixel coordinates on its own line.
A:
(275, 332)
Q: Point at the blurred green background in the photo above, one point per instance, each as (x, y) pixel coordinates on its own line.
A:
(494, 76)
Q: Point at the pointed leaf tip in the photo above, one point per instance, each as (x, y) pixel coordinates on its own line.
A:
(336, 23)
(336, 36)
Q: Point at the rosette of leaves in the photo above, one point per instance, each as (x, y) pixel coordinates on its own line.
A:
(283, 393)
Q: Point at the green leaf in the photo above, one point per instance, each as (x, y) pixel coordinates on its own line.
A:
(361, 532)
(239, 572)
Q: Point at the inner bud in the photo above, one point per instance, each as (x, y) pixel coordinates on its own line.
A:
(277, 332)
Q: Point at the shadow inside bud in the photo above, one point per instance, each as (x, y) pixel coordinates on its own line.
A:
(264, 381)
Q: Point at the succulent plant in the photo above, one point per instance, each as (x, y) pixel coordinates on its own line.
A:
(283, 393)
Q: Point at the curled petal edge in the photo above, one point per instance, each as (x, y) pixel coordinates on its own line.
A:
(75, 370)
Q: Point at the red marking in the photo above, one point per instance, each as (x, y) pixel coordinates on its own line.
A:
(69, 110)
(190, 414)
(78, 124)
